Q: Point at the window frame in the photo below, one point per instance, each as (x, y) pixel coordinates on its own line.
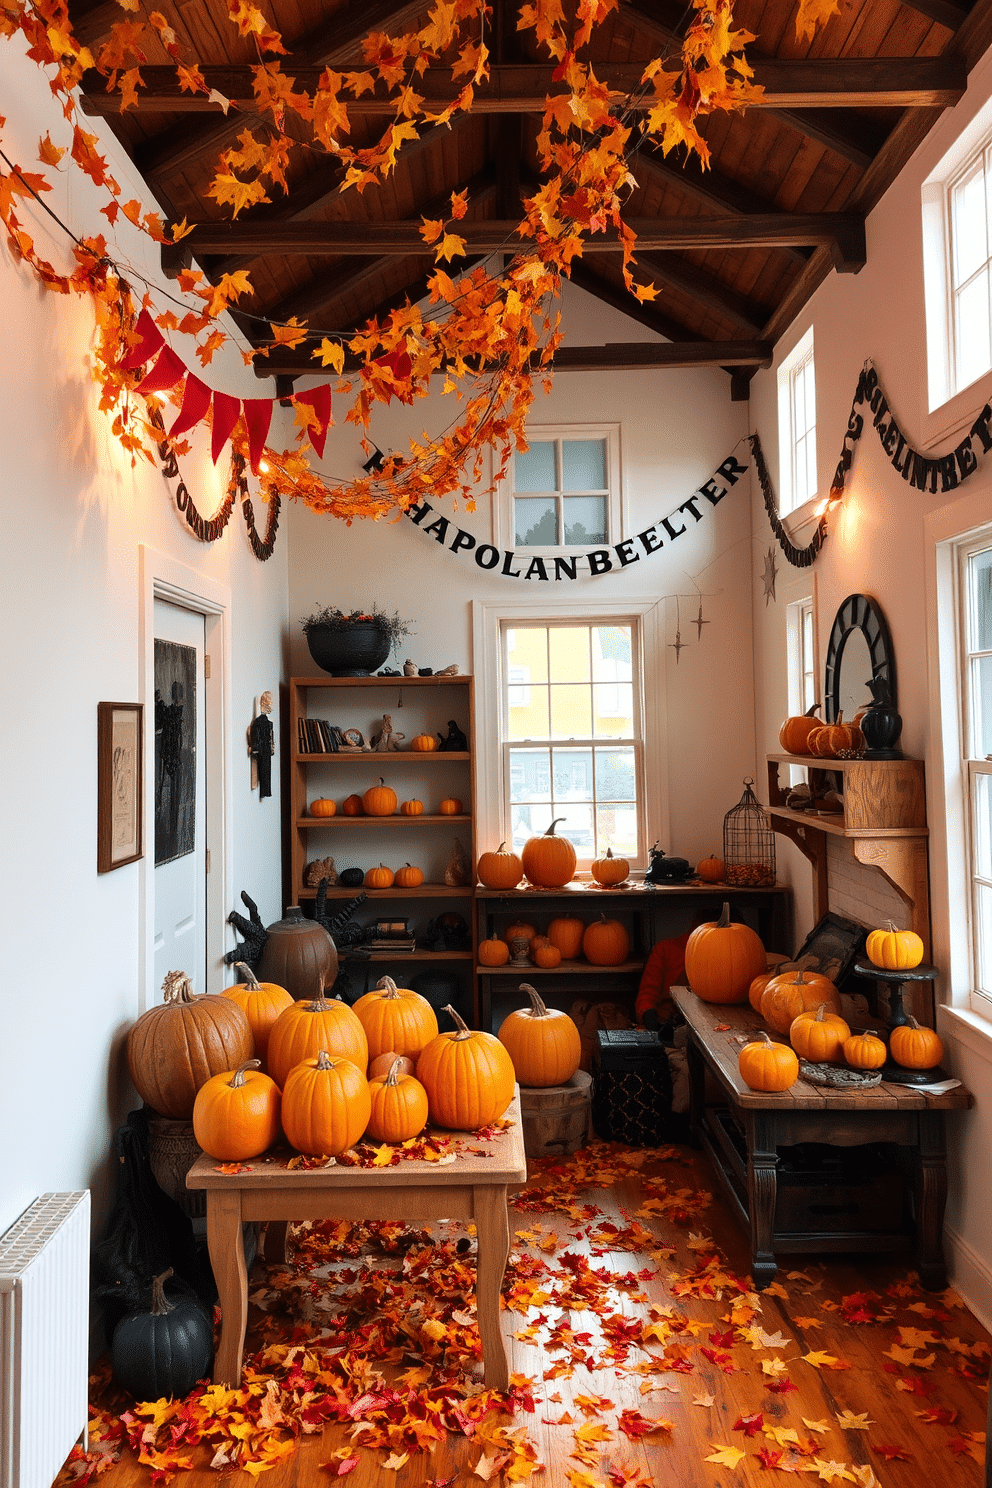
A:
(971, 766)
(488, 618)
(789, 503)
(615, 507)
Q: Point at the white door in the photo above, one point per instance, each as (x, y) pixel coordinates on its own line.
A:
(178, 789)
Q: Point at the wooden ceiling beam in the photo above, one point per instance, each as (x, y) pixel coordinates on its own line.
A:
(615, 356)
(618, 298)
(705, 288)
(843, 233)
(947, 13)
(825, 83)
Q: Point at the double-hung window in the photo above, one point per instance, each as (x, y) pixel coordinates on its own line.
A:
(797, 427)
(572, 734)
(975, 589)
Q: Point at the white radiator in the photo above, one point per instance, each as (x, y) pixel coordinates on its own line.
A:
(44, 1338)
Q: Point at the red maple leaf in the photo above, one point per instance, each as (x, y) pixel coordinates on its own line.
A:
(768, 1458)
(782, 1387)
(750, 1425)
(891, 1452)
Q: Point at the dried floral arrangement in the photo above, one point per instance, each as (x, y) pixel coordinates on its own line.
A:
(329, 617)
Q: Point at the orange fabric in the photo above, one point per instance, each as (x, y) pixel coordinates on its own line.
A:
(665, 969)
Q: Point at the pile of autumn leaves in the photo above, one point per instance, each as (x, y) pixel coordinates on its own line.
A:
(372, 1330)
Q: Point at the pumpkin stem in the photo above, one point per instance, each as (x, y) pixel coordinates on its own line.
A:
(462, 1030)
(238, 1078)
(912, 1021)
(820, 1012)
(501, 848)
(324, 1060)
(249, 976)
(609, 852)
(551, 830)
(387, 986)
(538, 1008)
(393, 1074)
(810, 711)
(723, 922)
(160, 1302)
(760, 1037)
(177, 987)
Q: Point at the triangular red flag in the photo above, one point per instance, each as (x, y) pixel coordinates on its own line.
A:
(319, 399)
(227, 411)
(165, 374)
(196, 401)
(150, 340)
(258, 417)
(401, 366)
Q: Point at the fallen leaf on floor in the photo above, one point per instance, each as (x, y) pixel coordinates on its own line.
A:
(725, 1456)
(850, 1422)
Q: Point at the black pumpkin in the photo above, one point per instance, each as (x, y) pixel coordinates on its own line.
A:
(162, 1353)
(299, 955)
(352, 878)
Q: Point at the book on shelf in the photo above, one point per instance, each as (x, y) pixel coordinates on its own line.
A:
(391, 944)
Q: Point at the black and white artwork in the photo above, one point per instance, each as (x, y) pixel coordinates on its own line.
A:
(175, 750)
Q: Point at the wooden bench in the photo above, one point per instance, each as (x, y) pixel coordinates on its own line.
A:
(745, 1131)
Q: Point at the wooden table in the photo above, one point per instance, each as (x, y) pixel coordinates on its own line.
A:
(471, 1188)
(743, 1137)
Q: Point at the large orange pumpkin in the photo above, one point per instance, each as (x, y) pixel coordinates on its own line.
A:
(543, 1042)
(468, 1076)
(549, 861)
(765, 1065)
(261, 1003)
(566, 933)
(722, 959)
(605, 942)
(396, 1018)
(174, 1049)
(500, 869)
(399, 1106)
(325, 1105)
(787, 996)
(236, 1114)
(307, 1027)
(379, 800)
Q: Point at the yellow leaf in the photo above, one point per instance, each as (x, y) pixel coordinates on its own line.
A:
(820, 1426)
(432, 229)
(819, 1360)
(725, 1456)
(773, 1366)
(851, 1422)
(451, 246)
(828, 1471)
(645, 292)
(396, 1460)
(782, 1436)
(330, 354)
(383, 1155)
(48, 153)
(703, 1400)
(814, 13)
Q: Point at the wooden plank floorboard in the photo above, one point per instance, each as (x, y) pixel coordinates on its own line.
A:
(806, 1306)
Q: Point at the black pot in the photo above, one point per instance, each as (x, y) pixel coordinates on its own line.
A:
(352, 650)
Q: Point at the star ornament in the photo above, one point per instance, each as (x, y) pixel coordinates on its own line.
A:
(769, 576)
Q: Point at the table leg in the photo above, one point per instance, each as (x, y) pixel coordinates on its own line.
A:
(274, 1248)
(696, 1066)
(930, 1193)
(492, 1225)
(762, 1186)
(227, 1259)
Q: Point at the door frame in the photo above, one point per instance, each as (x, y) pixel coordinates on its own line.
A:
(162, 577)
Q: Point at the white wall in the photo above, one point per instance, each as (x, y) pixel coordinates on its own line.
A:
(675, 428)
(74, 516)
(877, 546)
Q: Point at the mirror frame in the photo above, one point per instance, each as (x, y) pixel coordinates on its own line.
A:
(858, 612)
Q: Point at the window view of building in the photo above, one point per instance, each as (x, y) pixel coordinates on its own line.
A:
(561, 493)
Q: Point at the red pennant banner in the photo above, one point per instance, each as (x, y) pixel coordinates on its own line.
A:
(196, 401)
(400, 365)
(150, 340)
(166, 372)
(258, 417)
(227, 411)
(319, 399)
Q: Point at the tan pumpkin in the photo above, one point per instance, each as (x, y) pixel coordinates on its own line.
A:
(409, 877)
(838, 740)
(380, 877)
(722, 959)
(519, 930)
(325, 1105)
(543, 1043)
(787, 996)
(423, 743)
(915, 1047)
(549, 861)
(352, 806)
(398, 1106)
(468, 1076)
(396, 1018)
(412, 808)
(383, 1063)
(323, 806)
(450, 806)
(605, 942)
(500, 869)
(610, 870)
(865, 1050)
(895, 950)
(494, 952)
(795, 731)
(711, 870)
(307, 1027)
(236, 1113)
(174, 1049)
(819, 1036)
(566, 933)
(546, 956)
(261, 1003)
(765, 1065)
(379, 800)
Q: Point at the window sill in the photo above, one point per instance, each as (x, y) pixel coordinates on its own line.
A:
(967, 1028)
(955, 416)
(800, 523)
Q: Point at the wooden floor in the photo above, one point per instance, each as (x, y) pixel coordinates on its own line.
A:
(640, 1356)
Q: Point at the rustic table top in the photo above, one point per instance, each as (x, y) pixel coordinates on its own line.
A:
(477, 1161)
(724, 1030)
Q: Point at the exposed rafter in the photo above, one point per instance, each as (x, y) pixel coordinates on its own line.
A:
(615, 356)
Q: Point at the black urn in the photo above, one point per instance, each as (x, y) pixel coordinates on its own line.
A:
(352, 650)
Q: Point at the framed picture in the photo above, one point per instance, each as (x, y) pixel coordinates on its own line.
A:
(832, 947)
(119, 762)
(354, 738)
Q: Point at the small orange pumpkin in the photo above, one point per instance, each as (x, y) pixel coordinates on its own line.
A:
(605, 942)
(423, 743)
(412, 808)
(236, 1114)
(895, 950)
(794, 733)
(261, 1003)
(450, 806)
(323, 807)
(566, 933)
(787, 996)
(915, 1047)
(500, 869)
(765, 1065)
(379, 878)
(547, 957)
(352, 806)
(409, 877)
(519, 930)
(398, 1106)
(819, 1036)
(610, 870)
(379, 800)
(711, 870)
(325, 1105)
(865, 1050)
(494, 952)
(757, 988)
(838, 740)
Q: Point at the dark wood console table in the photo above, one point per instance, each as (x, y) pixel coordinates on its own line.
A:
(745, 1132)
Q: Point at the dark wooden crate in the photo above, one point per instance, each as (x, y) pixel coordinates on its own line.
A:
(632, 1093)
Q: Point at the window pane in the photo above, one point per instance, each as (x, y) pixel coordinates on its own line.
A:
(980, 593)
(571, 712)
(583, 464)
(983, 825)
(614, 717)
(527, 821)
(534, 469)
(971, 329)
(616, 828)
(572, 775)
(577, 827)
(530, 775)
(983, 938)
(585, 520)
(527, 646)
(981, 707)
(568, 652)
(611, 660)
(968, 225)
(615, 775)
(529, 719)
(535, 522)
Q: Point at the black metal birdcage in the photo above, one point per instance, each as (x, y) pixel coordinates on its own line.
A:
(748, 843)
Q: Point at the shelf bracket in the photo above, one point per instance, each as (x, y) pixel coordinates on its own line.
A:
(903, 861)
(813, 845)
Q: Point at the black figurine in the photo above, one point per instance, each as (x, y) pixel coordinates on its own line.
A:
(455, 743)
(666, 870)
(254, 932)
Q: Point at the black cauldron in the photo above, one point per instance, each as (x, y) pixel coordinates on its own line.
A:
(352, 650)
